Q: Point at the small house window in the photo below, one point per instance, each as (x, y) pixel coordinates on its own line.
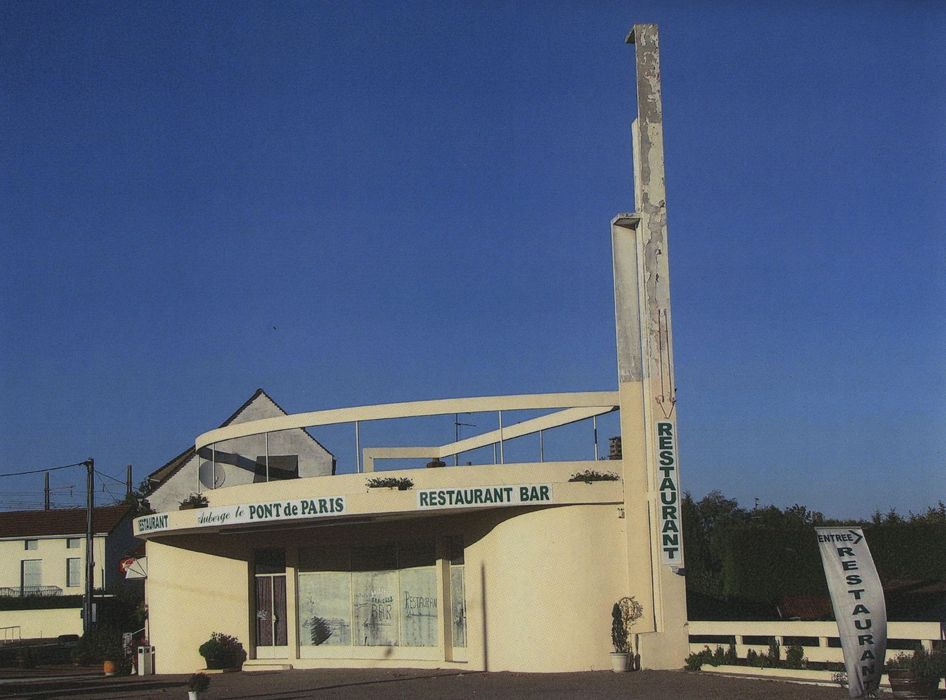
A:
(281, 467)
(31, 545)
(73, 572)
(72, 542)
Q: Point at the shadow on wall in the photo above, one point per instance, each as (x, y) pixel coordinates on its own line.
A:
(483, 616)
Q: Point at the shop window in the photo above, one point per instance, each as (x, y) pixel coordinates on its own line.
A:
(73, 572)
(418, 587)
(380, 595)
(325, 596)
(73, 542)
(281, 468)
(375, 595)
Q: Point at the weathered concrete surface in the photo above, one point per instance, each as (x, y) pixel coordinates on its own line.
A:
(645, 367)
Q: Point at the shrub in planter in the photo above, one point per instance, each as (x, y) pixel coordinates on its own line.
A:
(624, 614)
(198, 683)
(590, 475)
(917, 674)
(391, 482)
(222, 651)
(195, 500)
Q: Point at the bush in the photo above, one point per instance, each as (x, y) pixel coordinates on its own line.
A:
(198, 683)
(222, 651)
(696, 660)
(774, 651)
(392, 482)
(795, 656)
(590, 475)
(102, 644)
(195, 500)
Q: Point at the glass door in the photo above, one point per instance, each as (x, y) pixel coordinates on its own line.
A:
(271, 624)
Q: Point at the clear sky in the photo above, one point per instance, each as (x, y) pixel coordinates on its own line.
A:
(354, 203)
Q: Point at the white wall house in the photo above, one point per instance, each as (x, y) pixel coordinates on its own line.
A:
(287, 454)
(44, 550)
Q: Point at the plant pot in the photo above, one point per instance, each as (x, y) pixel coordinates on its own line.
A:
(109, 668)
(904, 685)
(217, 663)
(619, 661)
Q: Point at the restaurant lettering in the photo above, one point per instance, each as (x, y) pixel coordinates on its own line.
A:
(150, 523)
(484, 496)
(669, 492)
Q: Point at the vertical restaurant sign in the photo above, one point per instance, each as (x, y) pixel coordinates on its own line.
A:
(668, 490)
(858, 601)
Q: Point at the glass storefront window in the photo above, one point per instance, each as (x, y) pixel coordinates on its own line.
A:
(381, 595)
(325, 596)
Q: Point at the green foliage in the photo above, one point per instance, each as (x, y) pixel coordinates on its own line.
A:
(762, 555)
(198, 682)
(102, 643)
(775, 651)
(625, 613)
(195, 500)
(695, 661)
(139, 498)
(222, 651)
(380, 482)
(924, 666)
(795, 656)
(40, 602)
(590, 475)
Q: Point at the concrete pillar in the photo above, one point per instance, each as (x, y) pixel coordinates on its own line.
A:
(645, 379)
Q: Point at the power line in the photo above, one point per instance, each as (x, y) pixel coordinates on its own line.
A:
(117, 481)
(46, 469)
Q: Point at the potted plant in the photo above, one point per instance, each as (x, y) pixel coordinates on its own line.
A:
(197, 684)
(195, 500)
(624, 614)
(391, 482)
(916, 675)
(222, 651)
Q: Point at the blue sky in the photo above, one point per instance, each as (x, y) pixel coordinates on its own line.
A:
(359, 203)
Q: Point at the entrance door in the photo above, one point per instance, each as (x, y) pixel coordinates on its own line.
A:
(271, 623)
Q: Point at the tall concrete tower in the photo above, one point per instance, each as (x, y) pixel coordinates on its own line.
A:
(646, 383)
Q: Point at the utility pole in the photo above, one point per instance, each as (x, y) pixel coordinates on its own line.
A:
(89, 559)
(128, 488)
(45, 490)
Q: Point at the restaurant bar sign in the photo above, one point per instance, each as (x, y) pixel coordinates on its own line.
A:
(271, 511)
(668, 489)
(479, 496)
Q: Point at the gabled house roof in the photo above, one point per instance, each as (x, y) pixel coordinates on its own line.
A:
(163, 473)
(61, 522)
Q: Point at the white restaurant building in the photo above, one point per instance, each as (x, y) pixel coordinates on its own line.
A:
(507, 566)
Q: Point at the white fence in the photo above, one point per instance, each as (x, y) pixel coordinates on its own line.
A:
(821, 643)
